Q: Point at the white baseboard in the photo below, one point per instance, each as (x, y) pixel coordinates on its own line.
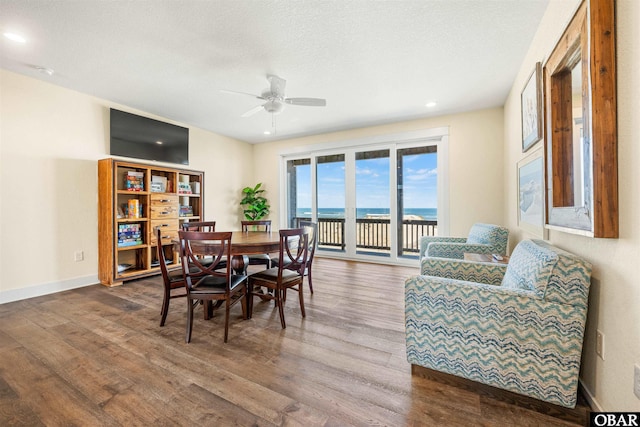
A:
(593, 403)
(46, 288)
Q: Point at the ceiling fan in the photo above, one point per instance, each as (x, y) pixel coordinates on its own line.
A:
(275, 99)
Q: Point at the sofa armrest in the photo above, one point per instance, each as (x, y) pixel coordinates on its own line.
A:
(425, 240)
(470, 271)
(422, 289)
(456, 250)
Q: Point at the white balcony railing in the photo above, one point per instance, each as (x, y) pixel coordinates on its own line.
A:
(374, 233)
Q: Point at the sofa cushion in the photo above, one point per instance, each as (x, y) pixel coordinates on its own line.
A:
(481, 233)
(489, 234)
(530, 267)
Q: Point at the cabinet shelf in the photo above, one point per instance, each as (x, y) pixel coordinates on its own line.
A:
(157, 208)
(127, 220)
(132, 247)
(133, 193)
(134, 273)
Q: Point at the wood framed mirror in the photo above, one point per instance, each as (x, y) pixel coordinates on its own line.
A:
(581, 127)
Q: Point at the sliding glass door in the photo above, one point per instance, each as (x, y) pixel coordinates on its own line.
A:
(417, 175)
(299, 192)
(331, 202)
(370, 202)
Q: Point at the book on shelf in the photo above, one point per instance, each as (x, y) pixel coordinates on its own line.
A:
(158, 184)
(134, 181)
(184, 188)
(156, 187)
(186, 210)
(129, 235)
(127, 243)
(129, 227)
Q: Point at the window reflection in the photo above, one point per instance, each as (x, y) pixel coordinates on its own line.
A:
(578, 137)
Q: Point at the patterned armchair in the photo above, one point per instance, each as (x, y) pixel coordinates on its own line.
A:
(518, 327)
(482, 239)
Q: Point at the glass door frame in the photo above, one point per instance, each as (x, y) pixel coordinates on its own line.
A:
(394, 142)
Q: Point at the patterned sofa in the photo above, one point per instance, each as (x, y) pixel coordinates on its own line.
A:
(482, 239)
(518, 327)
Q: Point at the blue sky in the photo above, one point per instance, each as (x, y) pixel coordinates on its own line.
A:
(372, 183)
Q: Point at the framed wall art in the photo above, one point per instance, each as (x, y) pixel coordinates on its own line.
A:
(531, 194)
(531, 108)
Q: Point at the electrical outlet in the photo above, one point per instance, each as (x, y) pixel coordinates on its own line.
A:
(600, 344)
(636, 381)
(78, 256)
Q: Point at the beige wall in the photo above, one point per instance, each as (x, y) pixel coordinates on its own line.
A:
(475, 150)
(614, 305)
(51, 139)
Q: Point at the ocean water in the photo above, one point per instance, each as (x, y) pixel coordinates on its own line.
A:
(423, 213)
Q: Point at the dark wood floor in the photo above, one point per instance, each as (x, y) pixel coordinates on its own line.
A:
(96, 356)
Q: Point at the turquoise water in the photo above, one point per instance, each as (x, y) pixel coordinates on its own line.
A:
(424, 213)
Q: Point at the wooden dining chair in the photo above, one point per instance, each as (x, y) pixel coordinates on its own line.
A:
(312, 227)
(259, 225)
(174, 284)
(205, 282)
(294, 246)
(208, 226)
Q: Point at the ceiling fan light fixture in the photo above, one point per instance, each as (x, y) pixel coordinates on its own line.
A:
(274, 106)
(276, 100)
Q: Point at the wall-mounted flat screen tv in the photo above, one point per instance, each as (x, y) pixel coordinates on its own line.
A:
(145, 138)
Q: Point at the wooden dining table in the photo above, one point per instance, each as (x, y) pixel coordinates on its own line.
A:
(244, 243)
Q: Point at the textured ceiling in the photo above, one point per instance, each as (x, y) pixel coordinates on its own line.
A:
(374, 62)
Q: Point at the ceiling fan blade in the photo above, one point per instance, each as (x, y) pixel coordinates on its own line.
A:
(241, 93)
(308, 102)
(277, 85)
(253, 111)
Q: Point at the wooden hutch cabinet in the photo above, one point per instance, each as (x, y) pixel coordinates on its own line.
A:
(134, 199)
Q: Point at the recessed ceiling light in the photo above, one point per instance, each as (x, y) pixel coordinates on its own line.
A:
(45, 70)
(430, 104)
(15, 37)
(266, 132)
(159, 142)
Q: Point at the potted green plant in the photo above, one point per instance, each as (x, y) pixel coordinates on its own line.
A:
(255, 205)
